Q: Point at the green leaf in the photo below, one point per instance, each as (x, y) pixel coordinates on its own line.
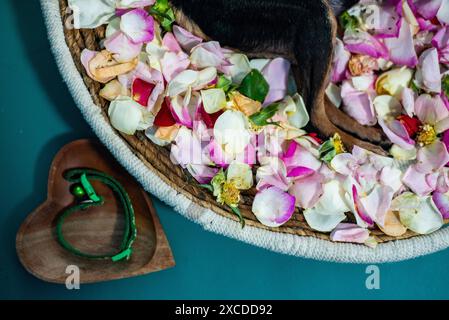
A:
(217, 182)
(414, 87)
(224, 83)
(254, 86)
(163, 13)
(161, 6)
(348, 22)
(261, 118)
(445, 85)
(327, 151)
(208, 187)
(237, 212)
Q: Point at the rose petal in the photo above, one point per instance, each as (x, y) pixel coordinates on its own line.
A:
(361, 42)
(126, 115)
(307, 191)
(272, 172)
(296, 155)
(122, 47)
(441, 201)
(273, 207)
(428, 8)
(138, 25)
(417, 214)
(359, 207)
(402, 49)
(214, 100)
(276, 74)
(408, 101)
(231, 131)
(397, 133)
(357, 104)
(239, 67)
(208, 54)
(173, 64)
(428, 75)
(349, 232)
(377, 203)
(186, 39)
(432, 157)
(91, 14)
(416, 181)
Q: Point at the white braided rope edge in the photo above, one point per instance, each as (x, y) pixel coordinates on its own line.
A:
(306, 247)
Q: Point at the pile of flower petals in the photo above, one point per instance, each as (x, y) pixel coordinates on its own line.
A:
(236, 124)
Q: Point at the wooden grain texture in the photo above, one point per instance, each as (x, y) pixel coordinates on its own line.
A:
(97, 230)
(157, 158)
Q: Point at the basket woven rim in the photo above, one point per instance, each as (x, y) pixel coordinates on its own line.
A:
(421, 245)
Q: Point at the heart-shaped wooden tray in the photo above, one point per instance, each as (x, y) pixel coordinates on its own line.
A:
(97, 230)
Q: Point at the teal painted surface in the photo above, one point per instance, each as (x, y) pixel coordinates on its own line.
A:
(38, 116)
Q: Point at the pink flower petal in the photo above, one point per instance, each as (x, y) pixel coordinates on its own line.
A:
(272, 173)
(363, 43)
(138, 25)
(349, 232)
(428, 76)
(169, 41)
(397, 133)
(307, 191)
(441, 201)
(299, 172)
(276, 73)
(432, 157)
(443, 13)
(402, 49)
(385, 21)
(430, 110)
(297, 156)
(173, 64)
(359, 208)
(340, 62)
(417, 182)
(122, 47)
(358, 104)
(441, 42)
(203, 174)
(273, 207)
(428, 8)
(208, 54)
(186, 39)
(377, 203)
(408, 101)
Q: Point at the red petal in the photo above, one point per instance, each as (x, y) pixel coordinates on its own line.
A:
(141, 91)
(164, 117)
(209, 119)
(411, 124)
(314, 136)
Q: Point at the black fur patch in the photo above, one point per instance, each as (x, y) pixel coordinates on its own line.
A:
(297, 28)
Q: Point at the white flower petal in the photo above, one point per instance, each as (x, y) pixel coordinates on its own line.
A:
(231, 131)
(125, 114)
(417, 214)
(91, 14)
(241, 174)
(214, 100)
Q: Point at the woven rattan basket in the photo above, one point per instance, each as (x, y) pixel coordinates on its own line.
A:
(158, 158)
(152, 167)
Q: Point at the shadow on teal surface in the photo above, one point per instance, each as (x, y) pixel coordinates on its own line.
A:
(39, 117)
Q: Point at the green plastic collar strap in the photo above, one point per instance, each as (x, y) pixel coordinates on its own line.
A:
(87, 197)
